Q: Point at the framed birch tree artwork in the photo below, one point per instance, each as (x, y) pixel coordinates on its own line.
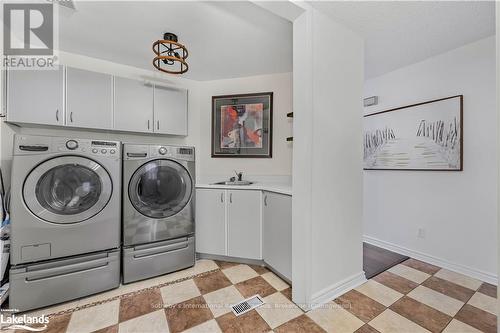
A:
(423, 136)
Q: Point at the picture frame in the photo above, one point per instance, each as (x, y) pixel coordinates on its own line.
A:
(242, 125)
(425, 136)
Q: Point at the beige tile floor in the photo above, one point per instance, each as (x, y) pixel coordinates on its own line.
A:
(410, 297)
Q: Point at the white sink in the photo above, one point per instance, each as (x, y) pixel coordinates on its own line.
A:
(235, 182)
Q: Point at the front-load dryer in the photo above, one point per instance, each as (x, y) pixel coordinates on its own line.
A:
(158, 210)
(65, 213)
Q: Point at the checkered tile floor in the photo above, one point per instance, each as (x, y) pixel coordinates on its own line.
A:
(410, 297)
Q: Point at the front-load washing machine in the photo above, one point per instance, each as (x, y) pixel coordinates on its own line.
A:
(65, 213)
(158, 210)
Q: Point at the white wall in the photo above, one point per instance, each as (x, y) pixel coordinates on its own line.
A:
(281, 161)
(327, 160)
(337, 155)
(199, 119)
(458, 210)
(301, 177)
(497, 9)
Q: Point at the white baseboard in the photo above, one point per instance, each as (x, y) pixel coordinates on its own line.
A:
(332, 292)
(459, 268)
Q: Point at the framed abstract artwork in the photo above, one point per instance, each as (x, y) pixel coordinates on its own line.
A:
(242, 125)
(423, 136)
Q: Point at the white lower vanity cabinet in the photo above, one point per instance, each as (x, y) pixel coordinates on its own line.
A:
(244, 224)
(277, 232)
(211, 221)
(228, 223)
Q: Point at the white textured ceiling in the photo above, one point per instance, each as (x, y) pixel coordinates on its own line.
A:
(236, 39)
(224, 39)
(400, 33)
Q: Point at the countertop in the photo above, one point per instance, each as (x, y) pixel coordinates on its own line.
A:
(270, 186)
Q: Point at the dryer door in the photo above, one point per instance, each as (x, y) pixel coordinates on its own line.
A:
(160, 188)
(67, 189)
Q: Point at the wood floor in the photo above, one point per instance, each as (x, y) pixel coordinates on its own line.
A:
(376, 260)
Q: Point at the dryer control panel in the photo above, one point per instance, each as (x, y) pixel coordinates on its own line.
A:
(179, 153)
(144, 152)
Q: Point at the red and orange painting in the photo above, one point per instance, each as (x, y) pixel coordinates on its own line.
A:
(241, 125)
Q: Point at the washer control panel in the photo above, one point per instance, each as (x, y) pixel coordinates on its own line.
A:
(106, 148)
(87, 146)
(38, 144)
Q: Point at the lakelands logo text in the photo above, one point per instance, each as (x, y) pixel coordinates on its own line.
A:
(29, 35)
(24, 322)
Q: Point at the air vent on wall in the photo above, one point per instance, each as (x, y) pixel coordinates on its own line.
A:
(247, 305)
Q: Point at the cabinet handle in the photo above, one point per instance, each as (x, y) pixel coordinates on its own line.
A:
(57, 114)
(148, 123)
(230, 197)
(157, 124)
(265, 200)
(222, 197)
(71, 116)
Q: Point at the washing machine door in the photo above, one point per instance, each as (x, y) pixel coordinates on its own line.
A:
(67, 189)
(160, 188)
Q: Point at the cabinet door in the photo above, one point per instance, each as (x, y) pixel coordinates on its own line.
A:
(243, 224)
(170, 111)
(89, 98)
(36, 96)
(133, 105)
(277, 233)
(210, 221)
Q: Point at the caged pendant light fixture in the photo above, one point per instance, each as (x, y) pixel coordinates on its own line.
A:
(170, 55)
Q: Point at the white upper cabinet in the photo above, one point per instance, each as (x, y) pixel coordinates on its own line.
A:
(170, 110)
(133, 105)
(36, 96)
(89, 99)
(244, 224)
(85, 99)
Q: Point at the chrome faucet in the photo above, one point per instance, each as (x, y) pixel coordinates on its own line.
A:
(239, 176)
